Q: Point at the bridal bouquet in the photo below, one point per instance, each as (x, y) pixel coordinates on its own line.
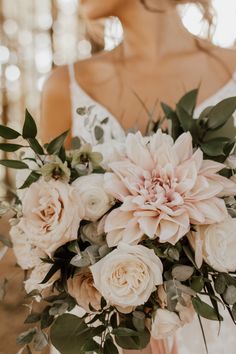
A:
(137, 233)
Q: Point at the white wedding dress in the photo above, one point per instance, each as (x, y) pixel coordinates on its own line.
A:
(190, 340)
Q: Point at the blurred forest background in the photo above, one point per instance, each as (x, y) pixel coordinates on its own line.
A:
(35, 36)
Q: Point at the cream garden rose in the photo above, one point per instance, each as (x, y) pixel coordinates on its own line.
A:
(81, 287)
(90, 191)
(165, 324)
(216, 244)
(127, 276)
(51, 214)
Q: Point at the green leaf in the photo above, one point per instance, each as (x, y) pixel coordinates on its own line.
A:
(105, 120)
(197, 284)
(220, 113)
(188, 101)
(113, 320)
(230, 295)
(26, 337)
(33, 317)
(173, 253)
(55, 145)
(184, 117)
(33, 177)
(19, 165)
(125, 332)
(46, 318)
(90, 346)
(103, 303)
(215, 147)
(176, 129)
(35, 146)
(99, 132)
(182, 272)
(134, 342)
(10, 147)
(69, 333)
(8, 133)
(29, 127)
(220, 284)
(110, 347)
(51, 272)
(205, 310)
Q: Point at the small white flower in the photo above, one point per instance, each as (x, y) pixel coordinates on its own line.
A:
(92, 196)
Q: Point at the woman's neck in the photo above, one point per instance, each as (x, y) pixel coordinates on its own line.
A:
(154, 35)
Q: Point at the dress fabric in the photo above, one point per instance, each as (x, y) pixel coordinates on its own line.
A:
(189, 338)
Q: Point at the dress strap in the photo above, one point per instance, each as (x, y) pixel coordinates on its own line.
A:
(71, 70)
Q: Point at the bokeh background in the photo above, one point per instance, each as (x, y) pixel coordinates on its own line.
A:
(35, 36)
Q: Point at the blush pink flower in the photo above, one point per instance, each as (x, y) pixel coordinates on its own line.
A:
(164, 186)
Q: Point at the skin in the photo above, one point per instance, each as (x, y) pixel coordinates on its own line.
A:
(158, 60)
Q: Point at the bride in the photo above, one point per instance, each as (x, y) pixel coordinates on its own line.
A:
(157, 60)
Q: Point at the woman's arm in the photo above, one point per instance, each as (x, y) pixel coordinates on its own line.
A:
(55, 117)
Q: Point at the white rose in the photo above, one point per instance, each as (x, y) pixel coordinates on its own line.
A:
(51, 214)
(127, 276)
(92, 196)
(36, 277)
(111, 151)
(165, 324)
(218, 244)
(27, 255)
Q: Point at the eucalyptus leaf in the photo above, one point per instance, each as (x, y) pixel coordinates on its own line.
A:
(10, 147)
(134, 342)
(230, 295)
(184, 117)
(173, 253)
(40, 341)
(18, 165)
(8, 133)
(215, 147)
(75, 143)
(33, 317)
(220, 113)
(205, 310)
(98, 132)
(29, 127)
(220, 284)
(182, 272)
(46, 318)
(197, 284)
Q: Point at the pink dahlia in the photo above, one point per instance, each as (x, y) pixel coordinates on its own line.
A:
(164, 186)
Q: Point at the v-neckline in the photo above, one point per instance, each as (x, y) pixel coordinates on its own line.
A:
(199, 107)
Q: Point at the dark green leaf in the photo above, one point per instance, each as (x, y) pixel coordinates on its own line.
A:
(134, 342)
(33, 177)
(105, 120)
(176, 128)
(29, 127)
(10, 147)
(90, 346)
(205, 310)
(110, 347)
(35, 146)
(188, 101)
(33, 317)
(8, 133)
(184, 117)
(26, 337)
(125, 332)
(190, 255)
(19, 165)
(99, 132)
(220, 113)
(215, 147)
(55, 145)
(46, 318)
(69, 334)
(113, 320)
(103, 303)
(51, 272)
